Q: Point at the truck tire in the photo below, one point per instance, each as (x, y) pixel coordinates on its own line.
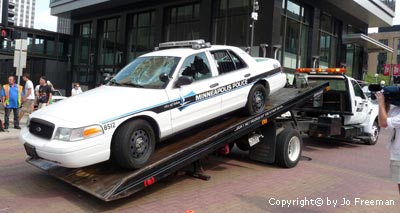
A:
(373, 139)
(133, 144)
(288, 148)
(256, 100)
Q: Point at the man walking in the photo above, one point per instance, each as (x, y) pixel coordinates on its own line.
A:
(29, 97)
(11, 99)
(45, 94)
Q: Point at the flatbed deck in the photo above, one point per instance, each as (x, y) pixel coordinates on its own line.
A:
(108, 182)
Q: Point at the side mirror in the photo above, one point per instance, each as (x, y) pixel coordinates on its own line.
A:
(183, 80)
(164, 77)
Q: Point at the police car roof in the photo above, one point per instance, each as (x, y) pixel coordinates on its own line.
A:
(185, 51)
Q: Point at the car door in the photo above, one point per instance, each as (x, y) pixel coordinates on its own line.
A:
(198, 101)
(360, 104)
(233, 73)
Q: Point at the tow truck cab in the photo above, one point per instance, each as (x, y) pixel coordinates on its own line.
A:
(343, 110)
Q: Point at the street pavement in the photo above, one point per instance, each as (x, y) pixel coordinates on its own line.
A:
(11, 132)
(329, 172)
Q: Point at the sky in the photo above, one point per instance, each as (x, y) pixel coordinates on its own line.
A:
(43, 19)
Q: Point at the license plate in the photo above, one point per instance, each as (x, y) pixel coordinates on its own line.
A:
(254, 140)
(30, 150)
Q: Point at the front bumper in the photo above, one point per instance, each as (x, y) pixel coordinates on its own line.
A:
(69, 154)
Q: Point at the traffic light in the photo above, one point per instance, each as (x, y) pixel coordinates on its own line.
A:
(8, 13)
(6, 33)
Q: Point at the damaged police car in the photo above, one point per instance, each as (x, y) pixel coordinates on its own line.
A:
(155, 96)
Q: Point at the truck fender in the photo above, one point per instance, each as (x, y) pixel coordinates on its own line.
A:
(371, 118)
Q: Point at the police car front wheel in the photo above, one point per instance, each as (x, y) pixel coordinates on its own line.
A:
(133, 144)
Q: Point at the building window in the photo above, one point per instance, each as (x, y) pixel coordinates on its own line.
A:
(108, 37)
(141, 29)
(231, 22)
(295, 30)
(398, 51)
(390, 3)
(382, 58)
(329, 28)
(82, 43)
(182, 23)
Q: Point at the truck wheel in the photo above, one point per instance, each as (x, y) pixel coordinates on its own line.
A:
(256, 100)
(133, 144)
(288, 148)
(373, 138)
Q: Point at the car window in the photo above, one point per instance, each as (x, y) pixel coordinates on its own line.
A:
(196, 66)
(239, 63)
(224, 61)
(357, 90)
(144, 72)
(56, 93)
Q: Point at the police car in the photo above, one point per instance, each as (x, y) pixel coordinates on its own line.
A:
(155, 96)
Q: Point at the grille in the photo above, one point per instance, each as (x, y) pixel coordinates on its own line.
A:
(41, 128)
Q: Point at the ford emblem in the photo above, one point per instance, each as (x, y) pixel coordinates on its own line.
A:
(38, 129)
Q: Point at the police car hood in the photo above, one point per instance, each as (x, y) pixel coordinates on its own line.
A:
(100, 105)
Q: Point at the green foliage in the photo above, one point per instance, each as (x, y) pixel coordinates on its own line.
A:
(370, 78)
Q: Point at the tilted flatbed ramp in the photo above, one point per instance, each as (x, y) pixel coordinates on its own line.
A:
(108, 182)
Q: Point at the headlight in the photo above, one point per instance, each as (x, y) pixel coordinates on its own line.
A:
(68, 134)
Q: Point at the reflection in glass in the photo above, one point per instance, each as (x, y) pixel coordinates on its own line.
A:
(183, 23)
(230, 22)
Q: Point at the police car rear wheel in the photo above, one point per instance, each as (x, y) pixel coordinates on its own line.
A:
(133, 144)
(256, 100)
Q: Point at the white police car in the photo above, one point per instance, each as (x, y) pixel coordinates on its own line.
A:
(156, 95)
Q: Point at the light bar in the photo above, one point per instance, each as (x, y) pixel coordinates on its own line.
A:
(195, 44)
(308, 70)
(320, 70)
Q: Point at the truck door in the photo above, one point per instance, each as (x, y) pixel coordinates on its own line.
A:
(198, 101)
(359, 104)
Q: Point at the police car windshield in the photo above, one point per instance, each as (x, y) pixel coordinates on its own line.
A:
(144, 72)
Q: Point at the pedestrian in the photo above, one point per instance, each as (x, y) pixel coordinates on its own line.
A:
(11, 99)
(391, 119)
(37, 94)
(45, 93)
(29, 97)
(76, 90)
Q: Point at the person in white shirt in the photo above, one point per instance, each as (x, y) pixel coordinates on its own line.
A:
(28, 100)
(76, 90)
(391, 119)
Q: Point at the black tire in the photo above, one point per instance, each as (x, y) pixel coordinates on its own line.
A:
(288, 148)
(256, 100)
(133, 144)
(243, 143)
(373, 139)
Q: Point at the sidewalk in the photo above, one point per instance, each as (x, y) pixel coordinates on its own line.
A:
(11, 133)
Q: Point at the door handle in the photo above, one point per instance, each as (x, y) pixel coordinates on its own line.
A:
(247, 75)
(214, 85)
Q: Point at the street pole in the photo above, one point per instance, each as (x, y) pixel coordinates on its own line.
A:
(254, 18)
(19, 71)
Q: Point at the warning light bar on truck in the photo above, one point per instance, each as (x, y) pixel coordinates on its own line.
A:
(321, 71)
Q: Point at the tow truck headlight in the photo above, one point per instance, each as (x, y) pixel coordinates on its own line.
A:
(69, 134)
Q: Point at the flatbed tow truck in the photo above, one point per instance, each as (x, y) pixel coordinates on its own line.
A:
(272, 139)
